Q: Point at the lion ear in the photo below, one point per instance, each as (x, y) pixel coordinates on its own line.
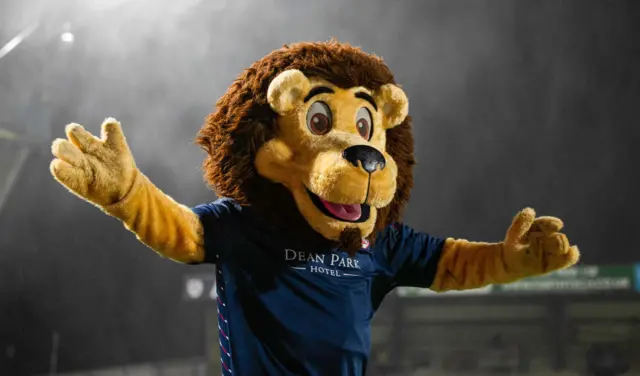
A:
(394, 104)
(287, 90)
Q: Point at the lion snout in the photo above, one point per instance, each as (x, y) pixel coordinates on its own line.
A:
(342, 177)
(366, 157)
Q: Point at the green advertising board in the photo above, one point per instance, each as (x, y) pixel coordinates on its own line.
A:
(579, 279)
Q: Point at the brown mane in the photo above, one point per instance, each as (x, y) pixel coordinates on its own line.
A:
(243, 121)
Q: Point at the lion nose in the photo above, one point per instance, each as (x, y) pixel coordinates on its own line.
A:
(370, 158)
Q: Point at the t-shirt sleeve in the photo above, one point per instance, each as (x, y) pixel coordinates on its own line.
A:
(217, 219)
(408, 257)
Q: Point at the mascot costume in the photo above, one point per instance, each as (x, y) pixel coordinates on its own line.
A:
(310, 153)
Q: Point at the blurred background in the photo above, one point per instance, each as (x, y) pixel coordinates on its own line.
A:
(515, 103)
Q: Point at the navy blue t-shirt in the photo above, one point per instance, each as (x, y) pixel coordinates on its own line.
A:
(287, 308)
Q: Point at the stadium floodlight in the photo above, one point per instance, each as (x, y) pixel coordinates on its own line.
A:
(15, 42)
(195, 288)
(67, 37)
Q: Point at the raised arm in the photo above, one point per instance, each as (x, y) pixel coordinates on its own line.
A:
(103, 172)
(533, 246)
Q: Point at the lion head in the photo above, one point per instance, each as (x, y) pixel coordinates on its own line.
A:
(315, 136)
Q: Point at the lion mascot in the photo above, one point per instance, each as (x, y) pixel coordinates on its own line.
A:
(310, 153)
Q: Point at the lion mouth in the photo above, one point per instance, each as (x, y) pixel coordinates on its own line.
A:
(354, 213)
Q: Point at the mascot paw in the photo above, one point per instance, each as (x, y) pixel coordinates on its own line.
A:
(535, 246)
(99, 170)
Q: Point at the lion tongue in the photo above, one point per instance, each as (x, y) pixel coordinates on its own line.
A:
(343, 211)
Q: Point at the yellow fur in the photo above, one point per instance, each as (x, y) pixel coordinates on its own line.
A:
(533, 246)
(286, 90)
(169, 228)
(395, 104)
(103, 172)
(300, 160)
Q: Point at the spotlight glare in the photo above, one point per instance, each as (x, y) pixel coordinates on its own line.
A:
(67, 37)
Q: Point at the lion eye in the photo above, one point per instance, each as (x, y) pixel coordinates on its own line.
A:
(364, 123)
(319, 118)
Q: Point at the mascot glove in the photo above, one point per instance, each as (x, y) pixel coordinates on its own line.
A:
(99, 170)
(535, 246)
